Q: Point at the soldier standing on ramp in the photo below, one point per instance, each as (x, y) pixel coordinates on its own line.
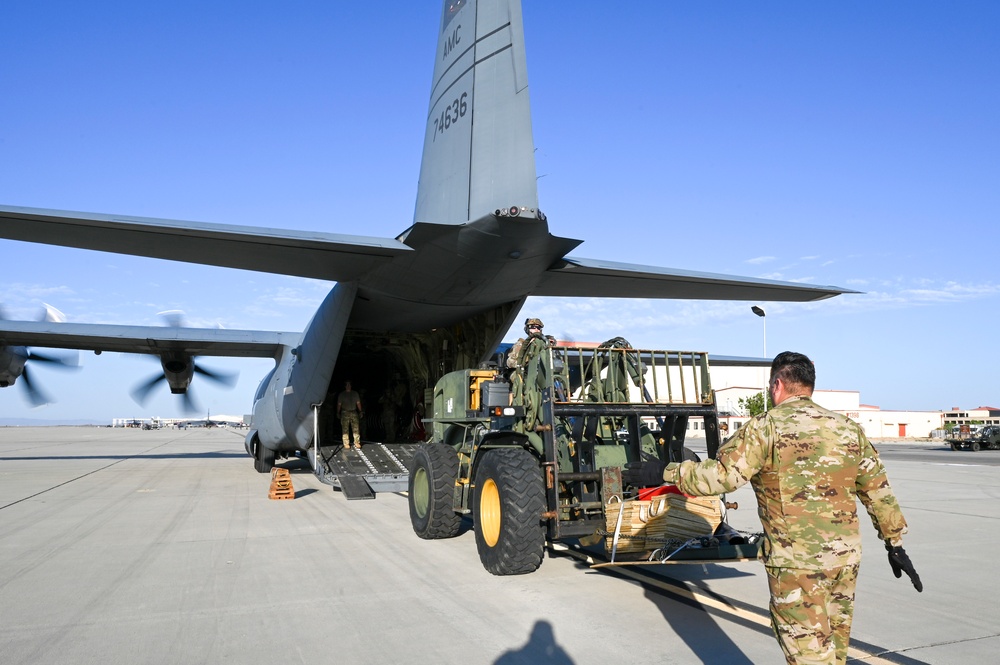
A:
(807, 466)
(349, 411)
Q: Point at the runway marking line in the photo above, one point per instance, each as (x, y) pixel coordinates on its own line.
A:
(84, 475)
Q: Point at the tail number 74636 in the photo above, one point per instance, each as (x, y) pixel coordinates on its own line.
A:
(451, 114)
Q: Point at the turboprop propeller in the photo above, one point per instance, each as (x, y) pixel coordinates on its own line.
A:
(14, 362)
(179, 369)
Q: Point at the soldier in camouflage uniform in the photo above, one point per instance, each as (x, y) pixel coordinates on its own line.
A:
(522, 352)
(350, 412)
(525, 382)
(807, 465)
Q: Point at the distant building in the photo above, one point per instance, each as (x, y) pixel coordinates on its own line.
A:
(156, 422)
(733, 382)
(987, 415)
(735, 379)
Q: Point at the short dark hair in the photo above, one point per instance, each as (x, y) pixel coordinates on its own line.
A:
(794, 368)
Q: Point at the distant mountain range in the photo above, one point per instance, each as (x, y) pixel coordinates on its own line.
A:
(41, 422)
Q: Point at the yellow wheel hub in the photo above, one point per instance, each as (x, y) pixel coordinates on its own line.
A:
(489, 512)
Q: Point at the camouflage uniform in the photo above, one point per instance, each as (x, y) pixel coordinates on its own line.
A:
(349, 411)
(807, 465)
(527, 380)
(534, 379)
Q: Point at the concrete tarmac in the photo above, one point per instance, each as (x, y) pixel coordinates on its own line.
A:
(124, 546)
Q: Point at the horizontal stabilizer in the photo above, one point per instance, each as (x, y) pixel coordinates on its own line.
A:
(147, 339)
(327, 256)
(575, 277)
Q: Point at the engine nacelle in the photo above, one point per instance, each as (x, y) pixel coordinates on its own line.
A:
(178, 369)
(12, 360)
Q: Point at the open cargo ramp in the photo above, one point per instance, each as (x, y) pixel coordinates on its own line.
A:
(360, 474)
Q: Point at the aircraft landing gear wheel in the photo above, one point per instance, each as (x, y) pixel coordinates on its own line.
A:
(433, 473)
(263, 459)
(507, 508)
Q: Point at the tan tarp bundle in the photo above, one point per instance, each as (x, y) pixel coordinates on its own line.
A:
(646, 525)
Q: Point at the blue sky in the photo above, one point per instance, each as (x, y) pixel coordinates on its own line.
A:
(853, 144)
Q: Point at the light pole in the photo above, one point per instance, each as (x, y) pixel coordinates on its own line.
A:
(759, 311)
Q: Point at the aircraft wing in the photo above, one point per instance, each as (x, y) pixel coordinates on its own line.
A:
(147, 339)
(325, 256)
(594, 278)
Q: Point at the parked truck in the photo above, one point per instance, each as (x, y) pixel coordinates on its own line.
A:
(535, 456)
(987, 438)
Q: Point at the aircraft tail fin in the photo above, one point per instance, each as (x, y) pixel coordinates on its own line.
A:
(478, 151)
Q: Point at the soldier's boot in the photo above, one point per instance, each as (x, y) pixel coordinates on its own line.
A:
(347, 442)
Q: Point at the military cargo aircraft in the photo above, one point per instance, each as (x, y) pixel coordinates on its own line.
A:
(437, 297)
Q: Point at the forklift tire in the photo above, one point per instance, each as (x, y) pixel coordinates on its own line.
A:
(433, 473)
(263, 460)
(507, 510)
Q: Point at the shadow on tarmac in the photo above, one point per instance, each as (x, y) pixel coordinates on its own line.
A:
(541, 649)
(699, 630)
(34, 458)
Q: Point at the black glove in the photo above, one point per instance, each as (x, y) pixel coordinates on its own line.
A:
(644, 474)
(901, 564)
